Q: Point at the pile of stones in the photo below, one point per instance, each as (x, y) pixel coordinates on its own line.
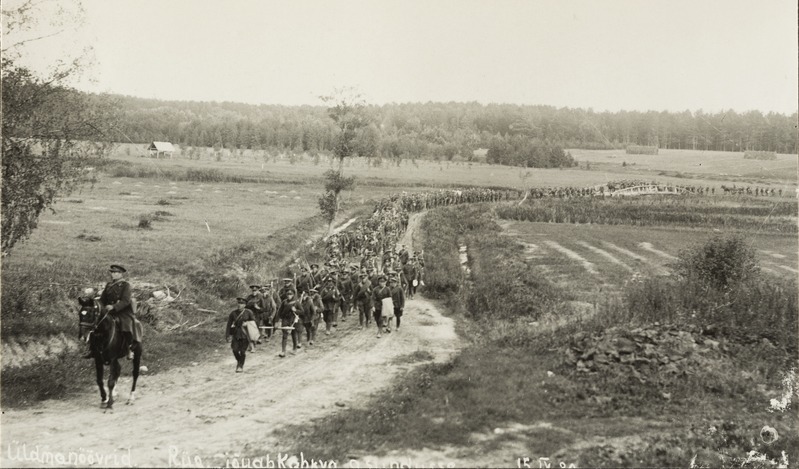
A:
(644, 352)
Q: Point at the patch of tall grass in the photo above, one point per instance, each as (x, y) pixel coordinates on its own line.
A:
(659, 210)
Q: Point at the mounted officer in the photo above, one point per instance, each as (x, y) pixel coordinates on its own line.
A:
(116, 300)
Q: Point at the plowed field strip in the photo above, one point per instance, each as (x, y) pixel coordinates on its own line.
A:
(588, 266)
(659, 269)
(605, 254)
(650, 248)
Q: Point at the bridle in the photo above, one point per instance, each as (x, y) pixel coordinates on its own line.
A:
(96, 323)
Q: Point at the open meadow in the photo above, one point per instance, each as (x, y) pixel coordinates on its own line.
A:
(697, 164)
(544, 279)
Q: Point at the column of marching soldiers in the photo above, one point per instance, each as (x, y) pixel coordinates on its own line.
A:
(363, 267)
(563, 192)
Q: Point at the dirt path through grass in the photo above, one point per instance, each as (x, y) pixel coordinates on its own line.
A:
(207, 411)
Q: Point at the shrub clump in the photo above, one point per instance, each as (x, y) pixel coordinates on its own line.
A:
(145, 222)
(723, 263)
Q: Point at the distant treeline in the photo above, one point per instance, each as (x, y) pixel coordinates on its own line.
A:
(445, 130)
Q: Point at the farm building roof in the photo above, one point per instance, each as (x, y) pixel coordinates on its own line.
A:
(161, 146)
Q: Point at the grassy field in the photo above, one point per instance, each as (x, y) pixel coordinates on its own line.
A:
(712, 168)
(711, 165)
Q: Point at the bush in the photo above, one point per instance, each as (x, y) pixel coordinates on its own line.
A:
(146, 222)
(722, 263)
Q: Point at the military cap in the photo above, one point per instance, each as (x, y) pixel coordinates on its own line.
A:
(266, 287)
(117, 268)
(329, 279)
(255, 286)
(241, 300)
(315, 265)
(362, 275)
(288, 279)
(381, 278)
(393, 280)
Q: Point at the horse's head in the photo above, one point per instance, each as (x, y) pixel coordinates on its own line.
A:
(88, 315)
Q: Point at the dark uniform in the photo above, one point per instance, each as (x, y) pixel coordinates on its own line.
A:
(286, 313)
(410, 272)
(305, 283)
(255, 303)
(330, 297)
(269, 310)
(117, 293)
(345, 288)
(238, 335)
(382, 291)
(285, 288)
(309, 316)
(362, 297)
(398, 297)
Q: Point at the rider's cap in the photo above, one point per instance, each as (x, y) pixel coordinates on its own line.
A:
(117, 268)
(242, 301)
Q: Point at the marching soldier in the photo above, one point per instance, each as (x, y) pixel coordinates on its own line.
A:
(362, 295)
(288, 285)
(236, 333)
(398, 297)
(330, 297)
(345, 288)
(270, 307)
(287, 314)
(309, 315)
(305, 282)
(411, 277)
(255, 303)
(378, 294)
(404, 257)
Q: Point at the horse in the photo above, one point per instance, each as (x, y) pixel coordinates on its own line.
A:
(107, 345)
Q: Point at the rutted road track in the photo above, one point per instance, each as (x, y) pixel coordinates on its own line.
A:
(209, 412)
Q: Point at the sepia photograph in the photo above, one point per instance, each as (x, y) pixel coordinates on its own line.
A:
(399, 233)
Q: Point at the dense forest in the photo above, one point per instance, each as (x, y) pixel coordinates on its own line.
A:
(514, 134)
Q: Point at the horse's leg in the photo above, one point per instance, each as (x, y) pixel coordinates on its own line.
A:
(113, 375)
(98, 365)
(137, 351)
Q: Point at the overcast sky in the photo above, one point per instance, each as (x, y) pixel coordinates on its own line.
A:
(604, 54)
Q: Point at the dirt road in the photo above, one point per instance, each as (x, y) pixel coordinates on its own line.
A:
(207, 413)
